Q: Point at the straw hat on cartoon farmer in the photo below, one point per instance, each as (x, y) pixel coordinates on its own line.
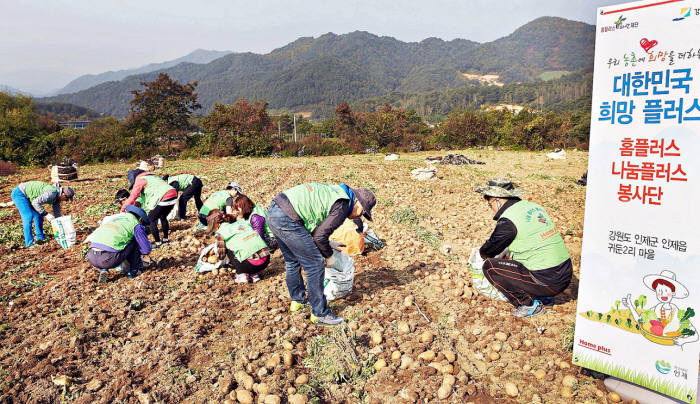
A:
(667, 278)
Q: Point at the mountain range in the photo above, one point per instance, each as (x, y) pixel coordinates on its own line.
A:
(91, 80)
(315, 74)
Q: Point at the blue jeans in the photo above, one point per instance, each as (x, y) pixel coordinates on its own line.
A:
(299, 250)
(28, 215)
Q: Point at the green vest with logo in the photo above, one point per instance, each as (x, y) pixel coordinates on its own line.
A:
(183, 181)
(217, 200)
(34, 189)
(260, 211)
(313, 201)
(153, 192)
(241, 238)
(117, 233)
(538, 245)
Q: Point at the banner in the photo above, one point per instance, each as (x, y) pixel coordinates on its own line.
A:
(640, 261)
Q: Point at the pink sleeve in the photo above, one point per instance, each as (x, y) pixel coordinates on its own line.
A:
(139, 185)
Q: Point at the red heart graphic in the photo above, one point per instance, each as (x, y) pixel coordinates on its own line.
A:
(647, 44)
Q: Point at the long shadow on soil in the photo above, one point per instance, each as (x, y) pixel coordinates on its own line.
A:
(374, 278)
(570, 293)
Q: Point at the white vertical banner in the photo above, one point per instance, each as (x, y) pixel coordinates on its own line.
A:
(640, 263)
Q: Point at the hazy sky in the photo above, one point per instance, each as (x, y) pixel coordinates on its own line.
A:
(46, 43)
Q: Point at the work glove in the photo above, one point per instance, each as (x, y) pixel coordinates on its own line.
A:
(336, 245)
(330, 262)
(50, 217)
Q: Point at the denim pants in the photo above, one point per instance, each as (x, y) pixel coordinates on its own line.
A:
(299, 250)
(29, 215)
(110, 259)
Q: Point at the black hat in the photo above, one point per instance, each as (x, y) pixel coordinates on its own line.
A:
(367, 199)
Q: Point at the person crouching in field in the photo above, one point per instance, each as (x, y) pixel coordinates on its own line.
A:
(302, 219)
(190, 186)
(245, 248)
(245, 209)
(123, 238)
(539, 264)
(156, 197)
(28, 198)
(221, 200)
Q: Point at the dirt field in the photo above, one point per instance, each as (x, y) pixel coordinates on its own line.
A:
(419, 331)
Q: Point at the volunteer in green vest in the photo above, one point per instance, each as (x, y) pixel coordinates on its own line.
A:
(222, 200)
(245, 209)
(302, 219)
(28, 198)
(156, 197)
(123, 238)
(190, 186)
(539, 265)
(244, 247)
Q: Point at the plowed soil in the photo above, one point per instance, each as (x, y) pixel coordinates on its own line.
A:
(171, 335)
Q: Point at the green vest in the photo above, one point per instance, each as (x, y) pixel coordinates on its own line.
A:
(538, 245)
(183, 180)
(34, 189)
(117, 233)
(242, 239)
(260, 211)
(313, 201)
(153, 192)
(217, 200)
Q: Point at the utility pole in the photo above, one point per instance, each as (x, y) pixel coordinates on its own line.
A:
(279, 130)
(295, 127)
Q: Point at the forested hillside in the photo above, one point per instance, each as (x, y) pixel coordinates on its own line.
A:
(315, 74)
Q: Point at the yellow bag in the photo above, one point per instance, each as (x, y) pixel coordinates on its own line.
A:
(348, 235)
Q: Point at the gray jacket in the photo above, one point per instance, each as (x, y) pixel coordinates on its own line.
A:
(50, 196)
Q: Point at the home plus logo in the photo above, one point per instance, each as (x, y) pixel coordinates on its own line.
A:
(620, 23)
(663, 367)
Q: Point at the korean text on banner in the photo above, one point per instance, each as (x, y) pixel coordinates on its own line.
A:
(639, 285)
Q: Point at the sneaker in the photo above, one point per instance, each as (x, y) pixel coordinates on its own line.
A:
(103, 276)
(545, 300)
(255, 278)
(165, 240)
(296, 306)
(330, 320)
(529, 311)
(241, 278)
(32, 246)
(133, 274)
(157, 244)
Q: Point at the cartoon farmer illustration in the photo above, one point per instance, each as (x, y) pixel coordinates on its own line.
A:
(665, 323)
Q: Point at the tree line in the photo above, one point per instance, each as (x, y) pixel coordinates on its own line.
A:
(162, 119)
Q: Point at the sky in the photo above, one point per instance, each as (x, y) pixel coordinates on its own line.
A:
(44, 44)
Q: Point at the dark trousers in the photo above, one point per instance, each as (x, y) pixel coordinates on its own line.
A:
(203, 219)
(194, 190)
(159, 213)
(108, 259)
(517, 283)
(246, 267)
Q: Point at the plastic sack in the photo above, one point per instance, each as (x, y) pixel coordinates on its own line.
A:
(348, 235)
(479, 280)
(338, 280)
(203, 265)
(64, 231)
(173, 213)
